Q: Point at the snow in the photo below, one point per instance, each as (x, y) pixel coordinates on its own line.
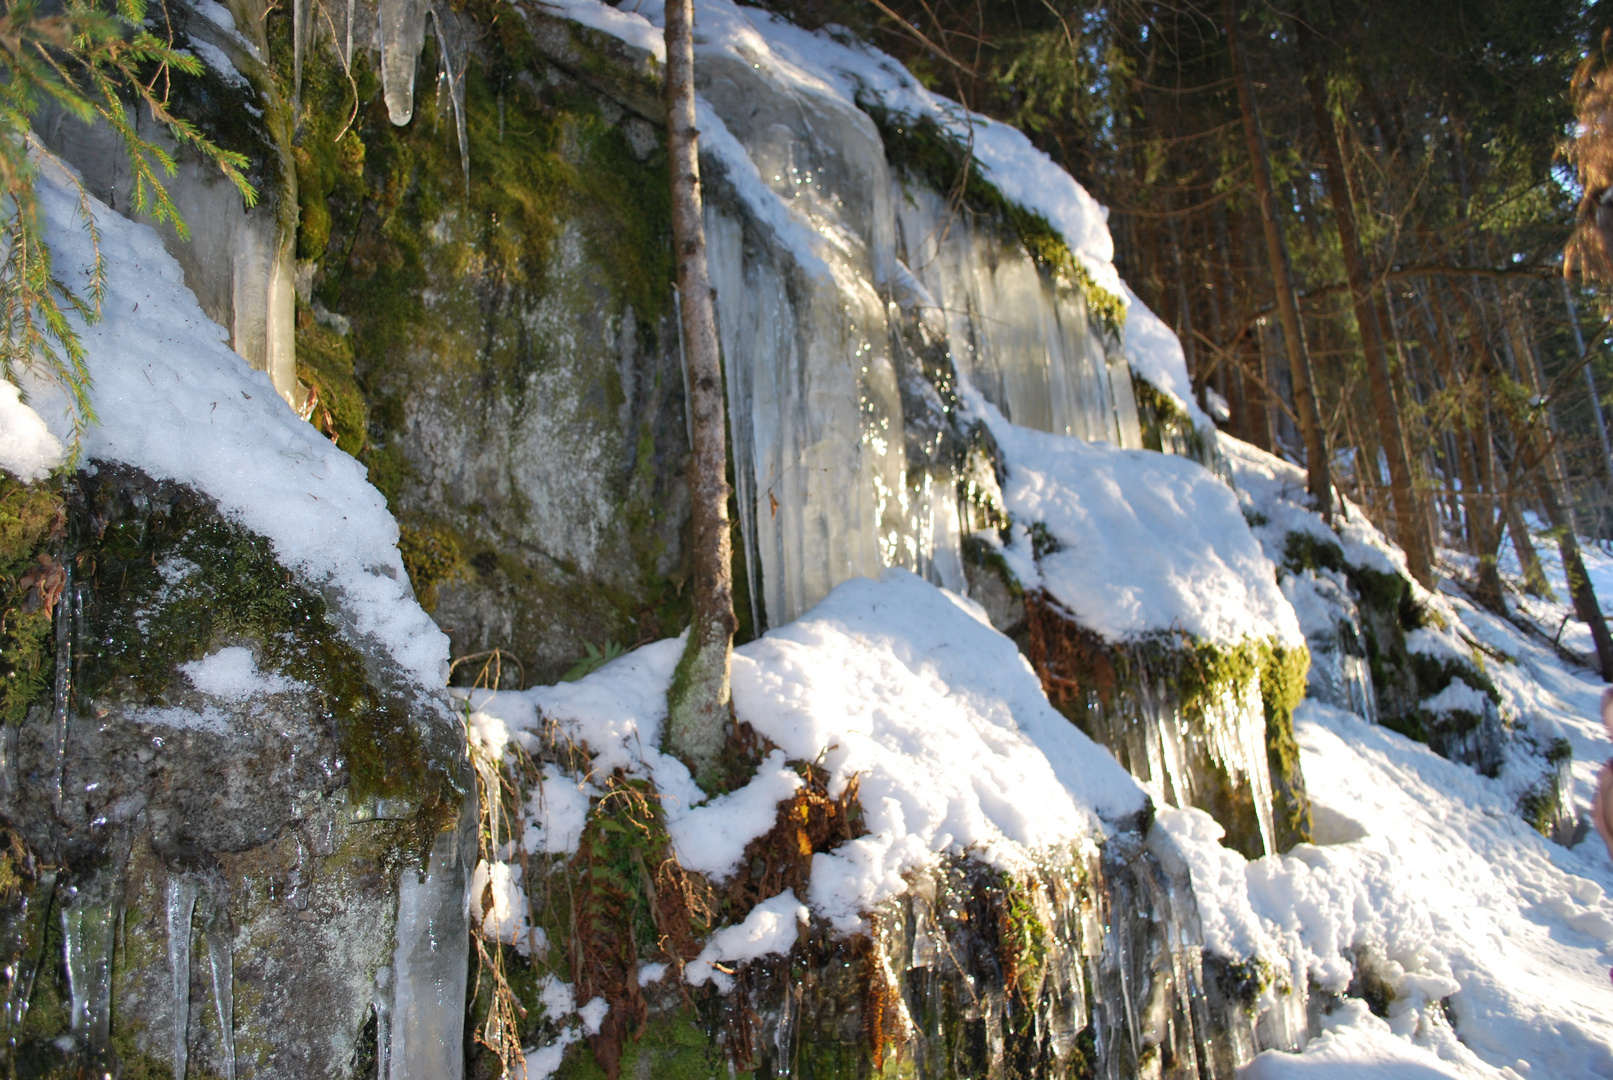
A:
(771, 928)
(28, 450)
(499, 906)
(232, 674)
(1354, 1044)
(1154, 352)
(1493, 942)
(893, 681)
(215, 58)
(1457, 697)
(175, 401)
(1148, 541)
(898, 682)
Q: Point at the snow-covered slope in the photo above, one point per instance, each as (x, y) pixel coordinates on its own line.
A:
(175, 401)
(1489, 944)
(895, 682)
(1146, 541)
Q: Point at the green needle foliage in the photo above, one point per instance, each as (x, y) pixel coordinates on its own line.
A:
(97, 60)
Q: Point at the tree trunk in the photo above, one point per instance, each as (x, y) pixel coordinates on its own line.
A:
(1534, 574)
(1553, 489)
(1310, 421)
(1403, 492)
(699, 704)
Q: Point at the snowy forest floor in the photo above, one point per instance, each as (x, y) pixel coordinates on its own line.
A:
(1488, 945)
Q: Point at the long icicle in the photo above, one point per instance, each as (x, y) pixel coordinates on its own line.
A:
(64, 678)
(456, 94)
(181, 907)
(221, 958)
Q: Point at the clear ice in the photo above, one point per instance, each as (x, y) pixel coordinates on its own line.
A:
(429, 971)
(181, 906)
(88, 929)
(838, 431)
(403, 34)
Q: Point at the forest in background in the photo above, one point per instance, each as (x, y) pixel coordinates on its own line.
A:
(1416, 162)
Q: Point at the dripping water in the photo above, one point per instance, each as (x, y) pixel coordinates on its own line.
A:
(181, 906)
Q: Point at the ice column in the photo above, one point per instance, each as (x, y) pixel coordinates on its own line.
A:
(429, 968)
(88, 926)
(181, 905)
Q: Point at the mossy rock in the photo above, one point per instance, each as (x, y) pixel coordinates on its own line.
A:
(509, 373)
(292, 809)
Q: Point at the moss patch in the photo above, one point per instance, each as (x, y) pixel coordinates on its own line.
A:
(1091, 680)
(31, 522)
(168, 581)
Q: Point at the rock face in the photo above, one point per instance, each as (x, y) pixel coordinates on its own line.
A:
(214, 814)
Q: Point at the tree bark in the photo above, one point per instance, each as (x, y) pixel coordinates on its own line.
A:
(1380, 378)
(1318, 479)
(699, 704)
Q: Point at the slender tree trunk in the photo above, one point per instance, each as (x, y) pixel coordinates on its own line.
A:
(1590, 379)
(1403, 492)
(1534, 574)
(1310, 421)
(1553, 489)
(699, 704)
(1490, 592)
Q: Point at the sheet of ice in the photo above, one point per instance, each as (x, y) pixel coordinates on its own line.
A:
(1148, 541)
(770, 929)
(232, 674)
(824, 63)
(28, 450)
(175, 401)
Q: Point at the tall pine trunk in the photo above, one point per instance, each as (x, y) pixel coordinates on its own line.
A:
(1318, 479)
(699, 704)
(1391, 435)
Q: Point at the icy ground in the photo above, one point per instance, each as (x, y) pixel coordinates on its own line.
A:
(1492, 942)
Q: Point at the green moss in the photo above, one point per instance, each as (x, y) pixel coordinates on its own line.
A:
(919, 148)
(29, 515)
(1283, 674)
(1165, 426)
(674, 1045)
(431, 556)
(169, 581)
(1303, 551)
(325, 363)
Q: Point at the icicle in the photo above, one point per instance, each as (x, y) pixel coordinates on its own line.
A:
(456, 92)
(403, 32)
(36, 909)
(64, 678)
(181, 906)
(383, 1023)
(88, 932)
(299, 32)
(429, 968)
(221, 958)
